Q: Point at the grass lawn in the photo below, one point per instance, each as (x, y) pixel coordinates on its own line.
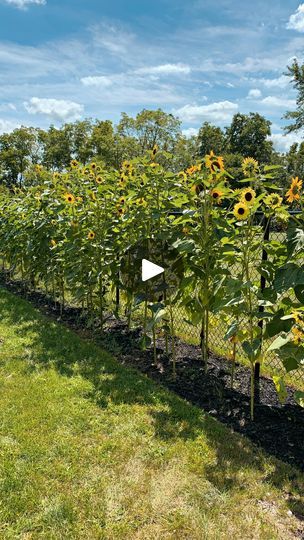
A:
(92, 450)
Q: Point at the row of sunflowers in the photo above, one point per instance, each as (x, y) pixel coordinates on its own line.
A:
(79, 233)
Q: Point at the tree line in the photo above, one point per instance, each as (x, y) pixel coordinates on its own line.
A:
(248, 135)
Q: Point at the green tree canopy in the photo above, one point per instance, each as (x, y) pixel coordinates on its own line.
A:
(210, 138)
(296, 72)
(248, 135)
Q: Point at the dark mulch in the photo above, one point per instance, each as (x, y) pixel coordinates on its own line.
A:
(278, 428)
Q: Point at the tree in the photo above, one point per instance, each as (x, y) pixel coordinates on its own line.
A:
(150, 128)
(79, 134)
(57, 148)
(296, 72)
(210, 138)
(248, 135)
(17, 150)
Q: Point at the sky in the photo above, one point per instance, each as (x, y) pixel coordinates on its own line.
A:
(63, 60)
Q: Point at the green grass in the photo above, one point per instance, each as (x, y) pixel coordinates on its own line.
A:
(92, 450)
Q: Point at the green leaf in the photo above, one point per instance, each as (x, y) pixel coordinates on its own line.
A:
(280, 388)
(288, 276)
(299, 397)
(278, 343)
(277, 325)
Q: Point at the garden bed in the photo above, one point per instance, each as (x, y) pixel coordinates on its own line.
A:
(277, 428)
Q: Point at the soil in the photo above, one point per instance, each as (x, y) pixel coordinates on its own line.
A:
(277, 428)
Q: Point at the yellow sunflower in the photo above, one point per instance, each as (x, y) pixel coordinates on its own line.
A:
(294, 192)
(122, 181)
(214, 163)
(93, 166)
(56, 175)
(99, 179)
(241, 210)
(154, 150)
(193, 169)
(250, 167)
(197, 188)
(86, 171)
(53, 243)
(122, 200)
(91, 235)
(182, 175)
(298, 335)
(69, 198)
(216, 195)
(273, 200)
(141, 202)
(248, 196)
(74, 163)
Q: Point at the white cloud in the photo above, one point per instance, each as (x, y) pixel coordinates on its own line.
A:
(190, 132)
(6, 126)
(165, 69)
(8, 107)
(275, 101)
(23, 4)
(296, 20)
(56, 109)
(282, 142)
(279, 82)
(254, 93)
(98, 80)
(220, 111)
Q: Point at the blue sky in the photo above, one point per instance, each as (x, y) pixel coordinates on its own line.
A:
(201, 60)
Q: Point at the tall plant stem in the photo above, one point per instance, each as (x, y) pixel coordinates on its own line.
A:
(172, 340)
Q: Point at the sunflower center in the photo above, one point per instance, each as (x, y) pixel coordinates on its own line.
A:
(241, 211)
(248, 197)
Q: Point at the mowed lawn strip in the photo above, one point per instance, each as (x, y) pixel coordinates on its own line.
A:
(92, 450)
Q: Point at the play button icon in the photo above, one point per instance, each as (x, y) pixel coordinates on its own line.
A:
(150, 270)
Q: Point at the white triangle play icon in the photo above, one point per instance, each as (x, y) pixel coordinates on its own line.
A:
(149, 270)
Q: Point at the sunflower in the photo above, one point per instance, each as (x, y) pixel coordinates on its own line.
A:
(74, 163)
(69, 198)
(248, 195)
(93, 166)
(273, 200)
(122, 200)
(99, 179)
(141, 202)
(53, 243)
(91, 235)
(294, 192)
(154, 150)
(56, 175)
(98, 169)
(193, 169)
(214, 163)
(241, 211)
(216, 195)
(122, 181)
(91, 176)
(186, 230)
(86, 171)
(120, 210)
(298, 335)
(182, 175)
(250, 167)
(197, 188)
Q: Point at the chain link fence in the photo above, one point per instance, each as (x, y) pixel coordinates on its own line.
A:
(271, 364)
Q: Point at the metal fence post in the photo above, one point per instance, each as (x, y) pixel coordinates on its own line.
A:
(257, 365)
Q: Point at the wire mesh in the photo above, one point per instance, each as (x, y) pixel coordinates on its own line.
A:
(271, 365)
